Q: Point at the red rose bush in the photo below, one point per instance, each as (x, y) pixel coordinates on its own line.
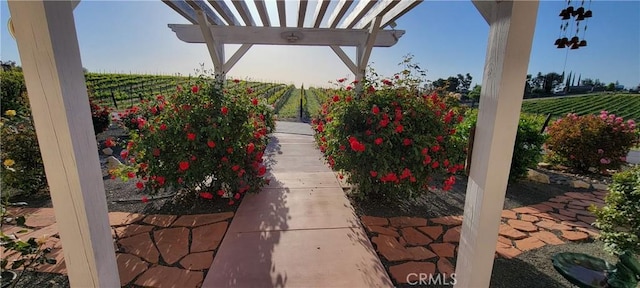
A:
(390, 140)
(203, 138)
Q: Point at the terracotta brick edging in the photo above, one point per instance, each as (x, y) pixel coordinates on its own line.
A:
(420, 245)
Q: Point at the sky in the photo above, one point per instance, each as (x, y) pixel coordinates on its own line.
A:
(446, 38)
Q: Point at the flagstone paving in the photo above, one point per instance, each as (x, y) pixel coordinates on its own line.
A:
(151, 250)
(419, 245)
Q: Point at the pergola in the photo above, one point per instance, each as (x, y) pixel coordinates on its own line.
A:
(50, 57)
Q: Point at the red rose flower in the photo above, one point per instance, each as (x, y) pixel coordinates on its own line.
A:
(236, 80)
(191, 136)
(231, 202)
(131, 175)
(206, 195)
(406, 142)
(336, 98)
(374, 174)
(230, 150)
(378, 141)
(220, 192)
(237, 196)
(211, 144)
(194, 89)
(262, 170)
(160, 180)
(184, 165)
(254, 101)
(250, 148)
(109, 142)
(124, 154)
(235, 167)
(140, 185)
(156, 152)
(435, 165)
(224, 110)
(399, 128)
(144, 199)
(163, 127)
(375, 110)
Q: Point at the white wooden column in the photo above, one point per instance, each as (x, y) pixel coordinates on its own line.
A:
(512, 24)
(50, 57)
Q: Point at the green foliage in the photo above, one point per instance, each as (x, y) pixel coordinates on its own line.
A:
(22, 169)
(624, 105)
(583, 142)
(475, 93)
(390, 142)
(619, 219)
(100, 116)
(12, 91)
(528, 143)
(202, 137)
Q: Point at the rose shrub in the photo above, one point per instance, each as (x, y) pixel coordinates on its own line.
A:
(22, 170)
(101, 117)
(391, 141)
(201, 138)
(591, 141)
(619, 219)
(528, 145)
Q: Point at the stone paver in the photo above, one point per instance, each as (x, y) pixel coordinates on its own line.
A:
(132, 230)
(414, 237)
(529, 243)
(169, 277)
(547, 237)
(129, 267)
(420, 253)
(445, 267)
(448, 220)
(452, 234)
(574, 235)
(522, 225)
(383, 230)
(173, 243)
(510, 214)
(432, 231)
(199, 220)
(374, 221)
(510, 232)
(160, 220)
(142, 246)
(390, 248)
(401, 222)
(443, 249)
(197, 261)
(208, 237)
(123, 218)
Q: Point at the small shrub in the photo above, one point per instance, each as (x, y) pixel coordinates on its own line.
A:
(528, 144)
(390, 141)
(101, 117)
(619, 219)
(13, 91)
(200, 138)
(583, 142)
(22, 169)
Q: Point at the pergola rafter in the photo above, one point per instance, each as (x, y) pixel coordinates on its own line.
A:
(363, 27)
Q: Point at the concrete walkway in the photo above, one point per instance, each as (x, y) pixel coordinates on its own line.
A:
(300, 231)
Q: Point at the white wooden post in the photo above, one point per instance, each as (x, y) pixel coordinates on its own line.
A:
(216, 50)
(50, 57)
(512, 24)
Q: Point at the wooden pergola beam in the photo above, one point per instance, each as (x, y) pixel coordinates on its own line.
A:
(338, 13)
(321, 10)
(511, 27)
(380, 9)
(50, 58)
(225, 12)
(244, 12)
(282, 12)
(274, 35)
(262, 11)
(358, 12)
(302, 12)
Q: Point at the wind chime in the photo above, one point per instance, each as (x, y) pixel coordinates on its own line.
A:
(572, 17)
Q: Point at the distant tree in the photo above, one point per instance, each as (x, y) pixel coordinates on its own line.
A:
(474, 94)
(452, 84)
(597, 83)
(527, 85)
(551, 80)
(587, 82)
(610, 87)
(440, 83)
(464, 82)
(10, 66)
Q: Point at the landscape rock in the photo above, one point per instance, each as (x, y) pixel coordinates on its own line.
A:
(536, 176)
(544, 165)
(599, 186)
(580, 184)
(107, 151)
(113, 162)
